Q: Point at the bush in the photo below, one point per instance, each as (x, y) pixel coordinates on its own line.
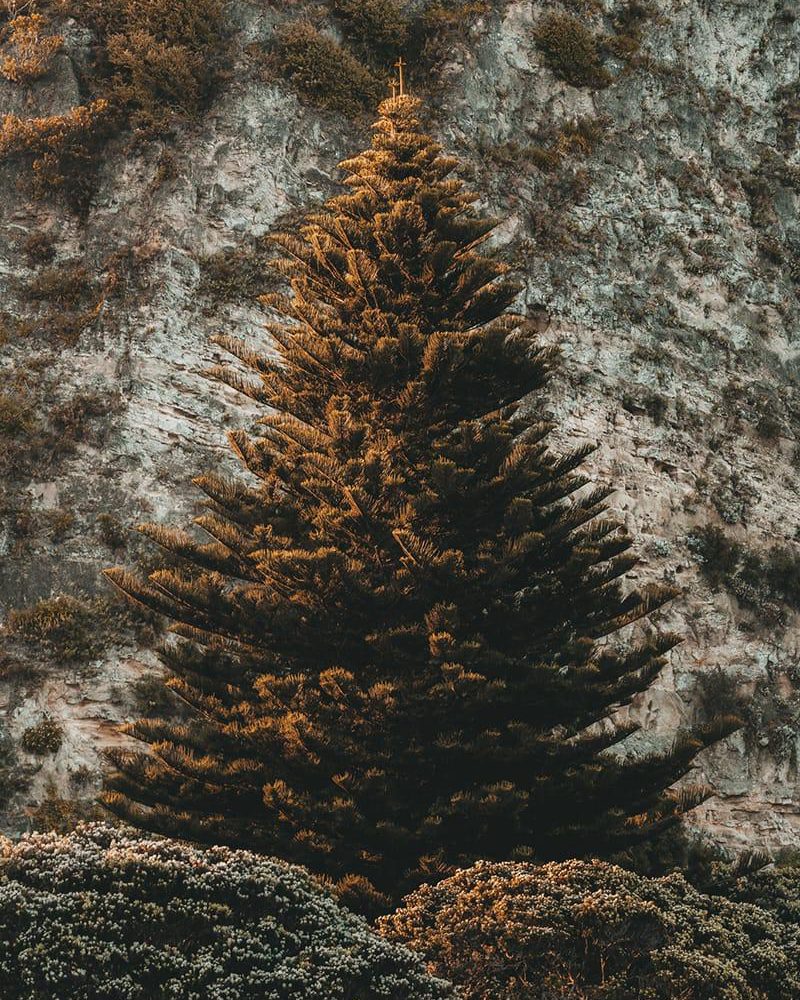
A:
(325, 72)
(753, 579)
(236, 274)
(65, 626)
(59, 149)
(591, 930)
(441, 25)
(379, 27)
(16, 417)
(43, 738)
(28, 49)
(70, 297)
(158, 60)
(571, 51)
(106, 914)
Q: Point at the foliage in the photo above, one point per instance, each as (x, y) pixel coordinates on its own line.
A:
(756, 581)
(69, 298)
(39, 247)
(379, 27)
(157, 60)
(235, 274)
(37, 429)
(112, 531)
(774, 888)
(43, 738)
(59, 149)
(154, 62)
(395, 633)
(718, 694)
(15, 414)
(571, 51)
(67, 627)
(27, 50)
(324, 71)
(105, 914)
(152, 698)
(439, 24)
(595, 931)
(55, 813)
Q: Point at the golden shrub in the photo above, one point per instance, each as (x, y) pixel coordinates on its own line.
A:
(28, 49)
(57, 147)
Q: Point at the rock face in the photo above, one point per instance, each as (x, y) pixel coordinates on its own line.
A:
(656, 223)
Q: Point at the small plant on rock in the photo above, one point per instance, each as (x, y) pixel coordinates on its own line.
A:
(43, 738)
(571, 51)
(27, 49)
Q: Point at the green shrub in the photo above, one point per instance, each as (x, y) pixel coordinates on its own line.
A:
(593, 931)
(571, 51)
(106, 915)
(324, 72)
(43, 738)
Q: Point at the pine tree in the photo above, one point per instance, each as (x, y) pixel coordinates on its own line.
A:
(400, 648)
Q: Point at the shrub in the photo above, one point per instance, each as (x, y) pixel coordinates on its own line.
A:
(154, 73)
(64, 285)
(775, 889)
(112, 531)
(105, 914)
(441, 23)
(29, 50)
(65, 626)
(571, 51)
(152, 698)
(72, 300)
(158, 60)
(236, 274)
(39, 247)
(379, 27)
(43, 738)
(60, 149)
(718, 694)
(591, 930)
(754, 579)
(325, 72)
(16, 417)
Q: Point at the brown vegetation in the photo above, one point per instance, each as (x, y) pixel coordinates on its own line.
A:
(27, 49)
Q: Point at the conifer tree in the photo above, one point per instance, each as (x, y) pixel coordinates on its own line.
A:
(401, 646)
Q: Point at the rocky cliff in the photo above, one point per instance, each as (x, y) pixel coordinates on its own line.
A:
(645, 165)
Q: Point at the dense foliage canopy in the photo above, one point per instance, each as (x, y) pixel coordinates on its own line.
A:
(109, 915)
(596, 932)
